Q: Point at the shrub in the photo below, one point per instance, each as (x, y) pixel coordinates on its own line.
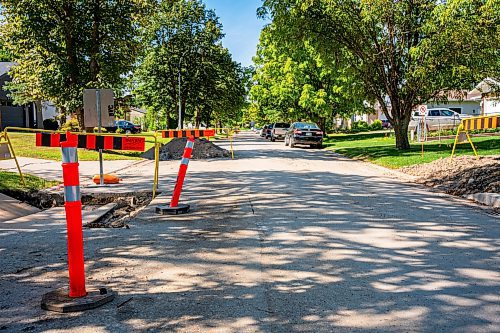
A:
(376, 125)
(50, 124)
(360, 126)
(71, 125)
(120, 130)
(103, 130)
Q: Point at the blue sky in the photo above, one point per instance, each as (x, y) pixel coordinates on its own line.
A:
(241, 26)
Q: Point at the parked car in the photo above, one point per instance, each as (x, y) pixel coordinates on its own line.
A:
(304, 134)
(437, 119)
(269, 131)
(385, 123)
(127, 126)
(263, 131)
(279, 130)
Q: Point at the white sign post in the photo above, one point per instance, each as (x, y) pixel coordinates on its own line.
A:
(422, 131)
(98, 106)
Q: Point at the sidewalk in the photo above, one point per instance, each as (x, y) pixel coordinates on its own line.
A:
(11, 208)
(52, 170)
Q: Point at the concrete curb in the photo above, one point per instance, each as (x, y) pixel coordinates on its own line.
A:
(488, 199)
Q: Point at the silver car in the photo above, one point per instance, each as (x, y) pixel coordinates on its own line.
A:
(437, 119)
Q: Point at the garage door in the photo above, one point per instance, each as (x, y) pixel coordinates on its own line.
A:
(12, 116)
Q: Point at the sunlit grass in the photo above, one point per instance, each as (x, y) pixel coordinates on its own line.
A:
(380, 148)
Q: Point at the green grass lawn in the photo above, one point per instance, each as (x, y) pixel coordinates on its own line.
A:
(11, 181)
(380, 148)
(24, 146)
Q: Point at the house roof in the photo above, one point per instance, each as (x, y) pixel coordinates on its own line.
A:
(138, 110)
(5, 67)
(486, 86)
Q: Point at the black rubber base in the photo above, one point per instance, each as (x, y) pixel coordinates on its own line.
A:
(59, 301)
(167, 210)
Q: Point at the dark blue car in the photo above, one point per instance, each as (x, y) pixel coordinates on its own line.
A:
(127, 126)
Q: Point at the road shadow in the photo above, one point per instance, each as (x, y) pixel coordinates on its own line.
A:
(274, 251)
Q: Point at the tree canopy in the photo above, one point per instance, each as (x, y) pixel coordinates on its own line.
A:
(184, 38)
(62, 47)
(293, 81)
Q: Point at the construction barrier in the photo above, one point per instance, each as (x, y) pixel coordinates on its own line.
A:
(77, 298)
(476, 123)
(73, 207)
(108, 141)
(174, 207)
(93, 141)
(196, 133)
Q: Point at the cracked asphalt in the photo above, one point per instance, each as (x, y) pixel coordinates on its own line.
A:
(278, 240)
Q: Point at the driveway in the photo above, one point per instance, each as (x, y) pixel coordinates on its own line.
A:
(279, 240)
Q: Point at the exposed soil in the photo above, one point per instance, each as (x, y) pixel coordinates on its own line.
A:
(39, 199)
(127, 208)
(203, 149)
(128, 204)
(461, 176)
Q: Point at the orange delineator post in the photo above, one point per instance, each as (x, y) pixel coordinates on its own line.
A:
(182, 172)
(73, 207)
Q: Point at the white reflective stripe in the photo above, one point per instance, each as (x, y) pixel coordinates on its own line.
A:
(185, 161)
(71, 193)
(69, 155)
(190, 144)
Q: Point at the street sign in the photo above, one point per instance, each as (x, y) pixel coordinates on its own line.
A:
(422, 109)
(107, 104)
(4, 151)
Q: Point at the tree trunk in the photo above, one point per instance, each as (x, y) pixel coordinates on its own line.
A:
(71, 54)
(198, 118)
(94, 51)
(39, 115)
(401, 132)
(79, 117)
(183, 112)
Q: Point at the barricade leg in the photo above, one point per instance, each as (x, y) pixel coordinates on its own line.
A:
(175, 208)
(77, 299)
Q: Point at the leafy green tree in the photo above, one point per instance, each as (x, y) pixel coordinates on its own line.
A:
(185, 38)
(64, 46)
(404, 52)
(295, 82)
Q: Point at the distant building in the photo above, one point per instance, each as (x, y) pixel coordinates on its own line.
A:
(458, 101)
(10, 114)
(136, 115)
(487, 93)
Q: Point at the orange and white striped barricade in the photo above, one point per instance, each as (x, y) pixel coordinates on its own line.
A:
(174, 208)
(78, 298)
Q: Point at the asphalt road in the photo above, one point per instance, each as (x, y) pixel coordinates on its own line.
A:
(279, 240)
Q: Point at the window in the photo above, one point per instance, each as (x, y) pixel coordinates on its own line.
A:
(306, 126)
(447, 113)
(434, 113)
(457, 110)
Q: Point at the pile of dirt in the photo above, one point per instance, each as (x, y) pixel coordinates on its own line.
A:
(203, 149)
(461, 176)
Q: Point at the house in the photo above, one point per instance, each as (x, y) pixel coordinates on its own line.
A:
(136, 115)
(10, 114)
(459, 101)
(487, 93)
